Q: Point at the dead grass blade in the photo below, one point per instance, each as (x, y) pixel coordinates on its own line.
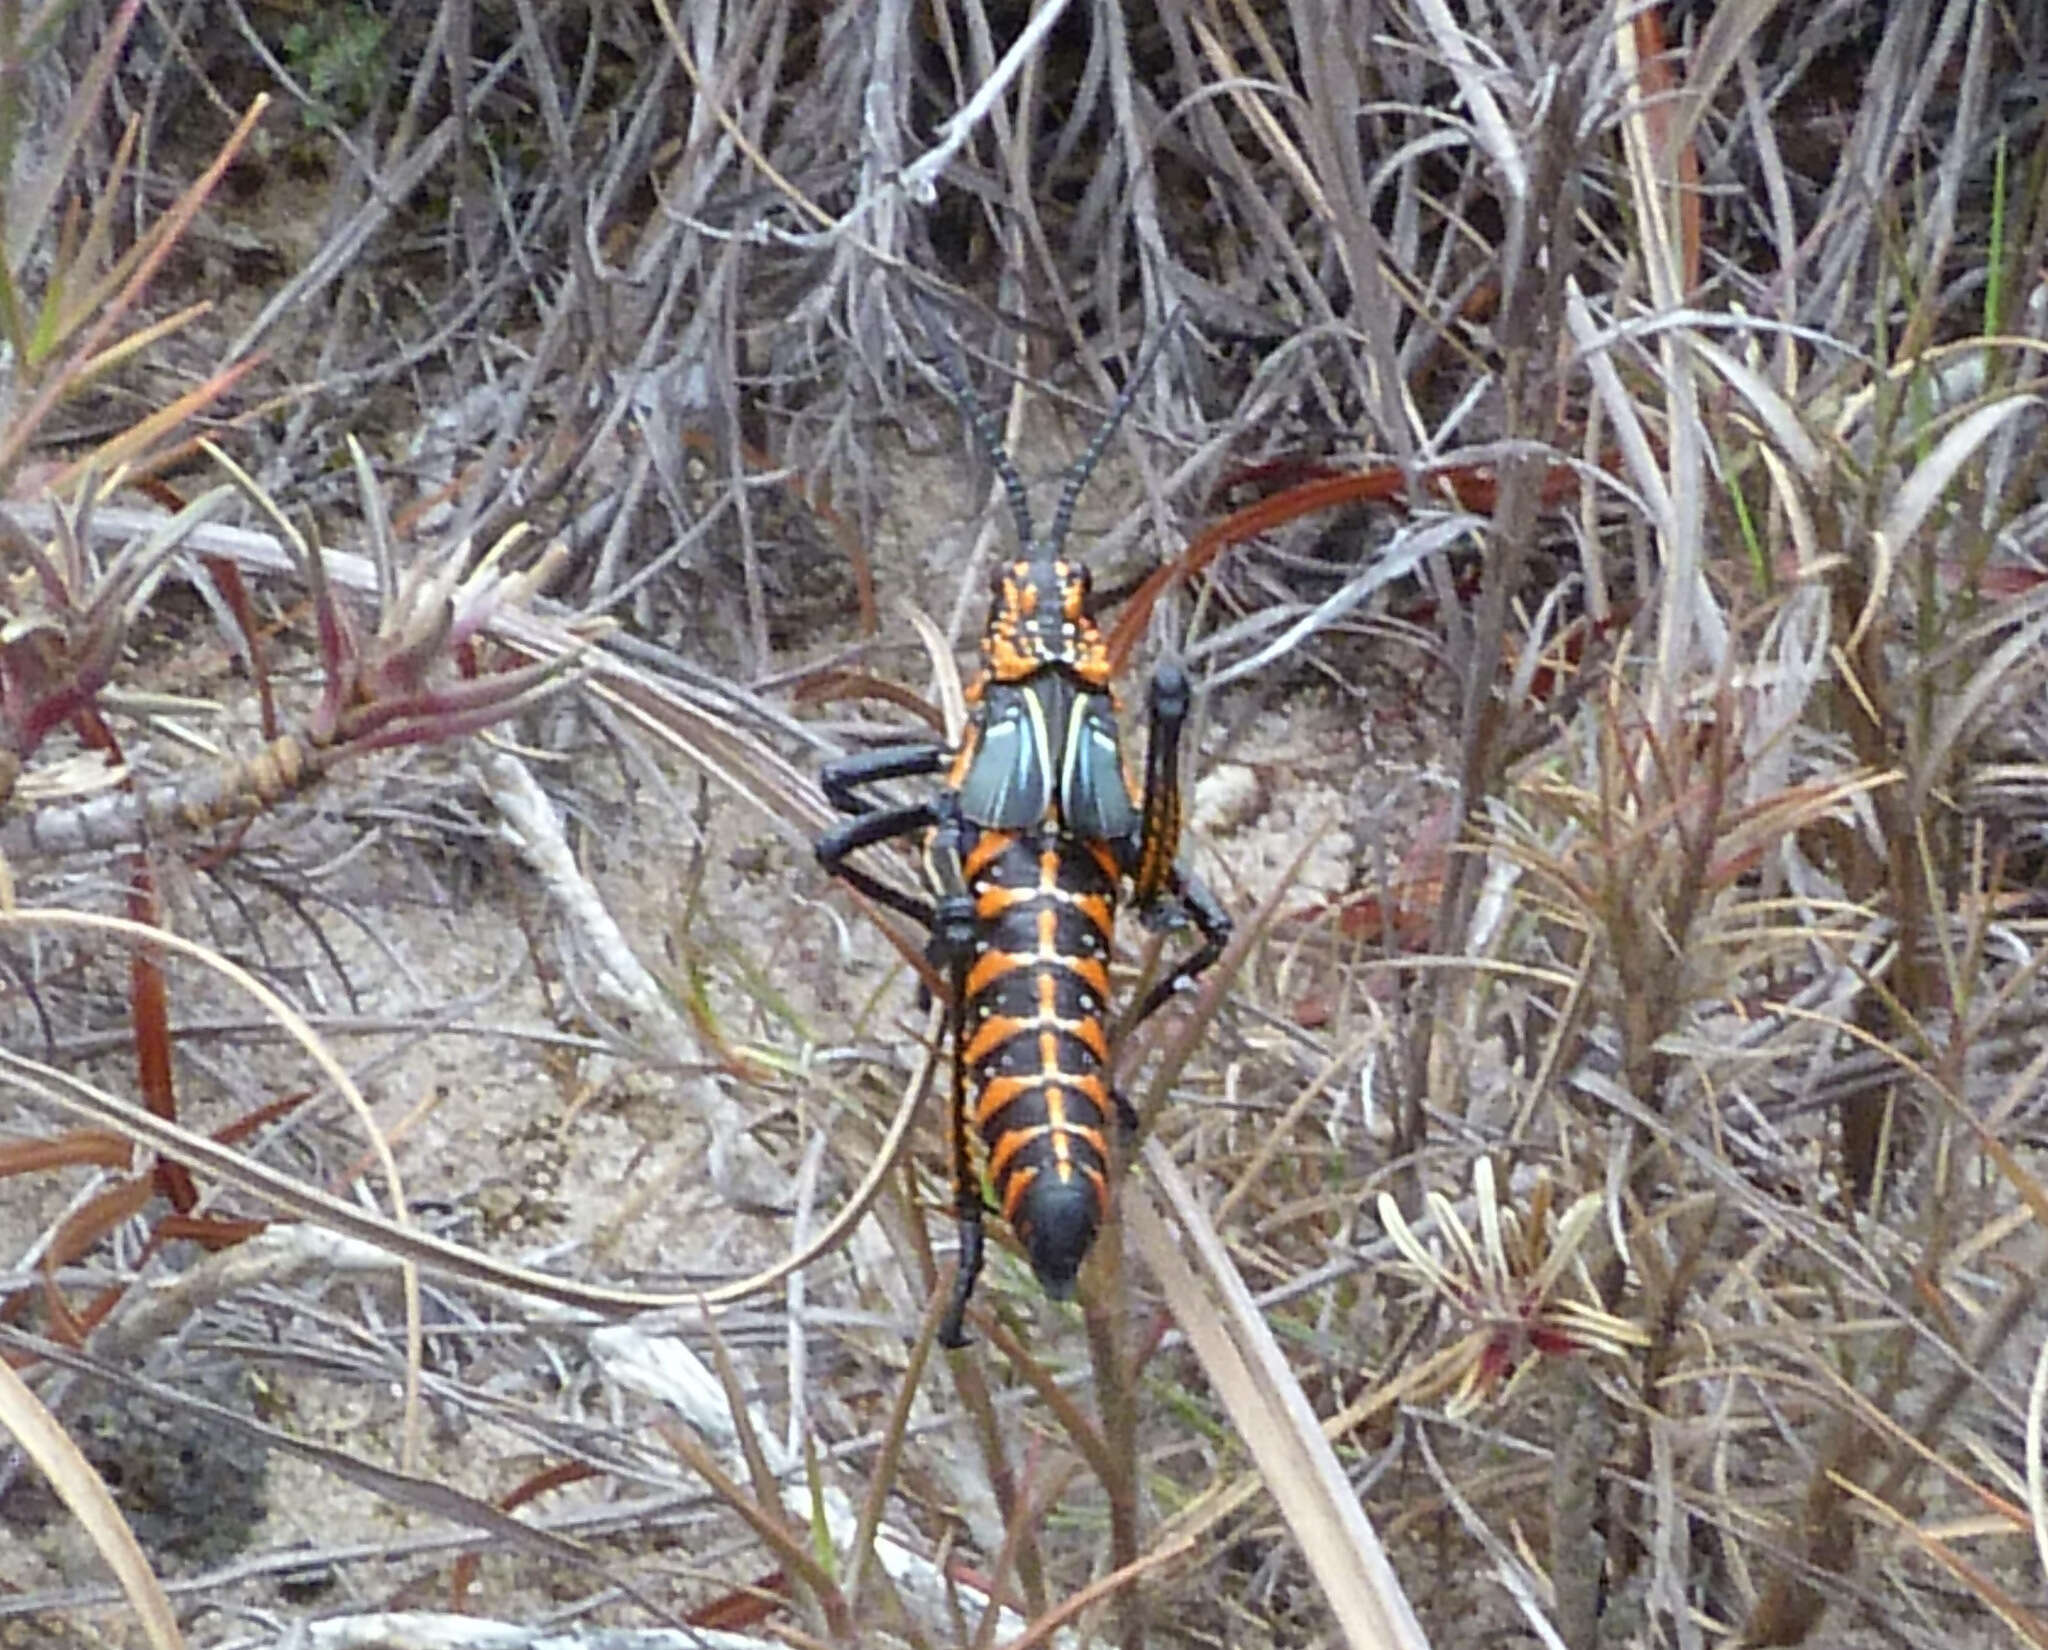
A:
(1960, 717)
(137, 447)
(1269, 1411)
(28, 217)
(767, 1523)
(664, 1370)
(2037, 1467)
(895, 1437)
(1930, 478)
(1408, 551)
(2027, 1624)
(1496, 136)
(157, 245)
(1654, 118)
(426, 1494)
(1714, 57)
(1508, 1569)
(1637, 449)
(1690, 629)
(79, 1487)
(1783, 424)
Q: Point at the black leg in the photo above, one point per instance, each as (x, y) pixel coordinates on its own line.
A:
(955, 940)
(864, 830)
(1211, 921)
(1126, 1120)
(842, 778)
(966, 1185)
(956, 937)
(1162, 889)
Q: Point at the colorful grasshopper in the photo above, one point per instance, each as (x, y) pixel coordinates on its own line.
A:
(1030, 844)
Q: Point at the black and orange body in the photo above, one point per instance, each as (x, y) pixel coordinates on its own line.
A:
(1034, 1016)
(1032, 841)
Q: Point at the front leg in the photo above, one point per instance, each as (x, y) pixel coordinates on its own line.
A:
(843, 777)
(864, 830)
(842, 780)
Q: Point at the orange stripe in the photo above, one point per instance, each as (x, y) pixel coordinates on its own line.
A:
(1056, 1121)
(985, 853)
(990, 1035)
(1090, 1033)
(1009, 1146)
(1066, 1163)
(1093, 973)
(1097, 1091)
(1065, 1169)
(1092, 906)
(1087, 1031)
(990, 967)
(1013, 1193)
(996, 1096)
(991, 903)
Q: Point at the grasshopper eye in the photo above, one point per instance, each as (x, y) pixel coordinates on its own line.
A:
(997, 575)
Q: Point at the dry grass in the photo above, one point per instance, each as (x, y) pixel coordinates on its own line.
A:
(470, 1182)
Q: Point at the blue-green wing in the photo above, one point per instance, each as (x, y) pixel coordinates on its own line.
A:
(1095, 799)
(1009, 784)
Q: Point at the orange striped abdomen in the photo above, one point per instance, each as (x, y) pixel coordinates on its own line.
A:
(1036, 1045)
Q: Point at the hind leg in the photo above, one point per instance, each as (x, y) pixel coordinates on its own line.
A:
(956, 938)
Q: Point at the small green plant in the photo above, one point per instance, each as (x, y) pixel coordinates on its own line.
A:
(337, 57)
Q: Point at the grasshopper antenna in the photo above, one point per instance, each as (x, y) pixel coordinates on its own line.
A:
(1084, 466)
(954, 371)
